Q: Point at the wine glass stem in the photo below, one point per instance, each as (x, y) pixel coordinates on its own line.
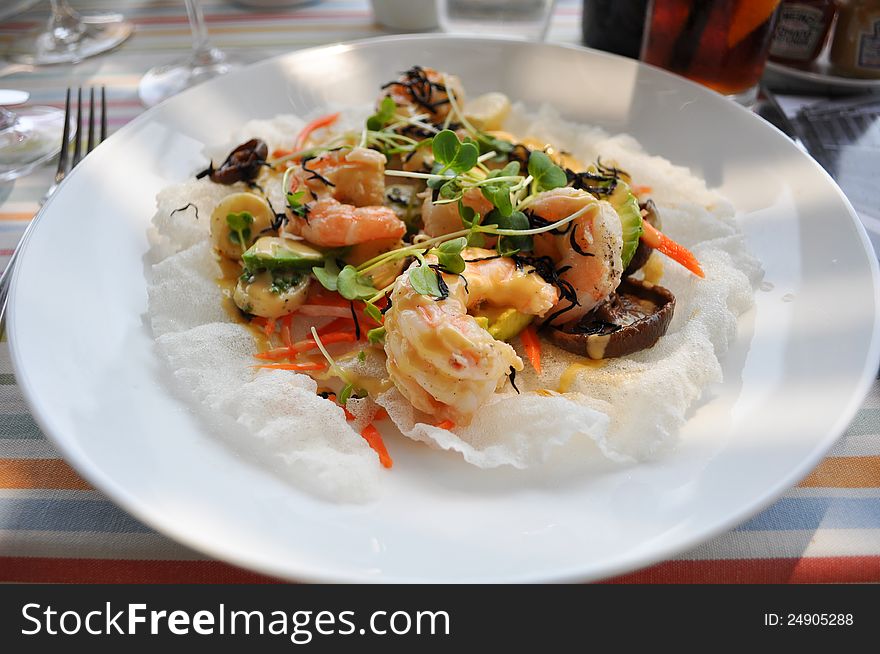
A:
(201, 45)
(65, 25)
(7, 119)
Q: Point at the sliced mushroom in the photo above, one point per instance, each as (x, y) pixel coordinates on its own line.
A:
(259, 218)
(632, 319)
(271, 295)
(242, 165)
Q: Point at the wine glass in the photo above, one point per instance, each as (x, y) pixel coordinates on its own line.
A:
(69, 37)
(203, 63)
(29, 136)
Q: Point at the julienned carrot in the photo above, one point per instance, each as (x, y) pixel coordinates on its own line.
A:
(318, 123)
(280, 152)
(532, 346)
(381, 414)
(327, 298)
(446, 424)
(670, 248)
(285, 329)
(640, 190)
(374, 439)
(326, 339)
(348, 414)
(304, 346)
(308, 365)
(335, 325)
(269, 329)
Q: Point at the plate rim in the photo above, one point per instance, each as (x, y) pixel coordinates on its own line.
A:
(291, 570)
(813, 77)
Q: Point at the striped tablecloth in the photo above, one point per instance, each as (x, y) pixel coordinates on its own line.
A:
(55, 528)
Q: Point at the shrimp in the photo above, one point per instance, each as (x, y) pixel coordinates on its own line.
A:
(438, 355)
(423, 90)
(330, 223)
(352, 176)
(501, 282)
(588, 251)
(440, 219)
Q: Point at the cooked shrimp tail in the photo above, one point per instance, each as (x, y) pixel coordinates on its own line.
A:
(439, 356)
(329, 223)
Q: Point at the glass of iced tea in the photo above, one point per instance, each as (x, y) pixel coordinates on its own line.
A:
(722, 44)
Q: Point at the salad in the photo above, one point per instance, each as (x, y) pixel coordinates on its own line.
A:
(442, 265)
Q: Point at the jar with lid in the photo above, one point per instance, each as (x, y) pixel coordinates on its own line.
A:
(802, 30)
(855, 48)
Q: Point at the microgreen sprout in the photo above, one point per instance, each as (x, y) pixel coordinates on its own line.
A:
(349, 389)
(239, 227)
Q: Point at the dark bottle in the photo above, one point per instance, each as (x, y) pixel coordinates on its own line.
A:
(614, 25)
(802, 30)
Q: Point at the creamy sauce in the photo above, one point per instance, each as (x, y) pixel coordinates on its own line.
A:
(596, 345)
(229, 273)
(570, 374)
(559, 157)
(653, 269)
(372, 385)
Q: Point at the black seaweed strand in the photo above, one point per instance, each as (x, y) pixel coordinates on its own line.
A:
(315, 174)
(420, 88)
(576, 246)
(184, 208)
(441, 283)
(512, 377)
(357, 325)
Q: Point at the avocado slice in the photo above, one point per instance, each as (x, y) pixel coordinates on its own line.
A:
(502, 323)
(273, 253)
(627, 207)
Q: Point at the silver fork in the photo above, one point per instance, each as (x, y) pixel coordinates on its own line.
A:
(65, 165)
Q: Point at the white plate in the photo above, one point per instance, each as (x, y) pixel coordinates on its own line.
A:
(818, 78)
(800, 366)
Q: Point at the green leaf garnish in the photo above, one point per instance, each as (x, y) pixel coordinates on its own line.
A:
(445, 146)
(499, 195)
(328, 275)
(294, 201)
(350, 285)
(424, 281)
(376, 336)
(450, 190)
(455, 246)
(383, 116)
(489, 143)
(476, 240)
(470, 219)
(466, 158)
(452, 154)
(547, 175)
(373, 312)
(239, 227)
(449, 255)
(345, 394)
(517, 220)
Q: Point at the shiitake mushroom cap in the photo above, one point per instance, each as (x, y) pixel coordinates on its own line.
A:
(632, 319)
(242, 165)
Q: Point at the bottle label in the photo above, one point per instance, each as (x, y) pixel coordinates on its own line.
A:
(798, 32)
(869, 48)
